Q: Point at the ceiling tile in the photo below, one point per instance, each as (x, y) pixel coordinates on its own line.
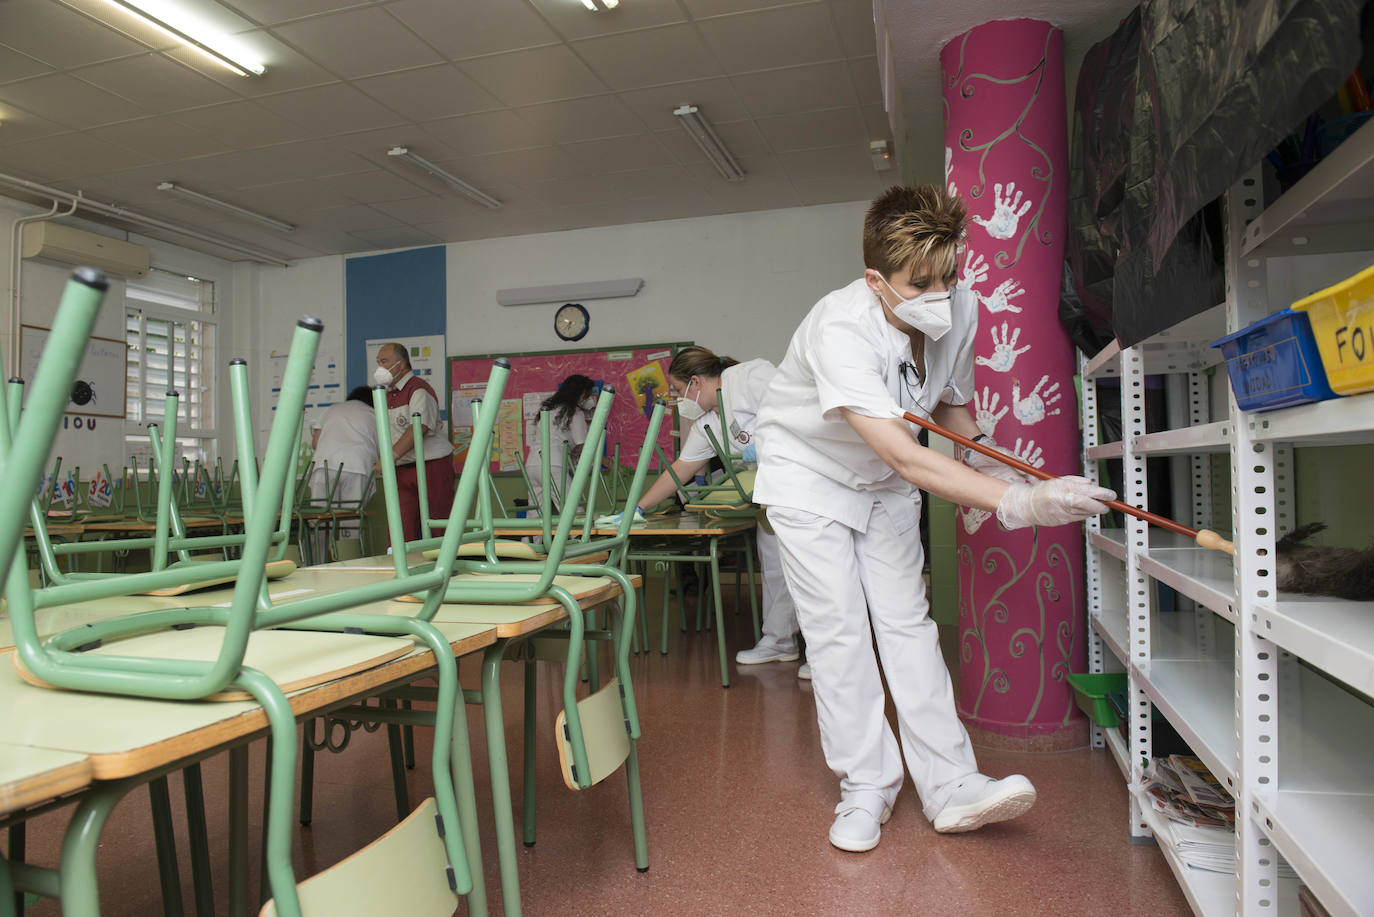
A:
(879, 125)
(60, 37)
(700, 9)
(617, 154)
(333, 109)
(436, 187)
(17, 66)
(716, 99)
(208, 18)
(17, 125)
(573, 20)
(538, 75)
(581, 119)
(370, 187)
(400, 237)
(854, 22)
(867, 82)
(781, 37)
(847, 187)
(350, 218)
(819, 165)
(269, 12)
(430, 209)
(429, 93)
(526, 166)
(243, 125)
(67, 156)
(69, 101)
(741, 138)
(358, 42)
(794, 89)
(155, 83)
(293, 199)
(161, 138)
(288, 162)
(474, 135)
(452, 27)
(758, 170)
(832, 127)
(630, 60)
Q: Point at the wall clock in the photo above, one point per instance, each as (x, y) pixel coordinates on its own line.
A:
(571, 321)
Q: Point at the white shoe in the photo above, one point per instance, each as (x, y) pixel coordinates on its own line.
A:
(763, 653)
(855, 829)
(980, 801)
(804, 671)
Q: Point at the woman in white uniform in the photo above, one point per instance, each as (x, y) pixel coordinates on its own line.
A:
(345, 451)
(697, 377)
(570, 409)
(841, 475)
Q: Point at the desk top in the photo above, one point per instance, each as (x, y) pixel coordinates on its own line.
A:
(679, 525)
(29, 775)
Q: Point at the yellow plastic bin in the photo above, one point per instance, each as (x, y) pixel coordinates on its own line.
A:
(1343, 324)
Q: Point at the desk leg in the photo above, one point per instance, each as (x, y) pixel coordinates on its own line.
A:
(720, 616)
(500, 777)
(200, 843)
(80, 892)
(531, 706)
(753, 593)
(671, 581)
(164, 842)
(238, 831)
(16, 855)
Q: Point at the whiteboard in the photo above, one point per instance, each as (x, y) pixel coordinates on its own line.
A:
(102, 369)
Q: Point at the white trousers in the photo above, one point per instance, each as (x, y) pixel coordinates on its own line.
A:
(779, 623)
(841, 581)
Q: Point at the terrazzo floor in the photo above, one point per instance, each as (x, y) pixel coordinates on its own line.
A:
(738, 801)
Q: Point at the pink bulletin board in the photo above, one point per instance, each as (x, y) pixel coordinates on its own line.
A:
(632, 370)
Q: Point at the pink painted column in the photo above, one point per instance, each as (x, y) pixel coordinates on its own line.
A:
(1020, 593)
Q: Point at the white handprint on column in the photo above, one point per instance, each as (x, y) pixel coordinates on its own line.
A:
(1002, 295)
(975, 270)
(1007, 212)
(1035, 406)
(974, 519)
(985, 412)
(1032, 454)
(1004, 350)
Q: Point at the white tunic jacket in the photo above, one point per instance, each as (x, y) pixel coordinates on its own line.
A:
(846, 355)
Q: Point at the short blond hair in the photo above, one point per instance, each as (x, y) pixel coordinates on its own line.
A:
(916, 227)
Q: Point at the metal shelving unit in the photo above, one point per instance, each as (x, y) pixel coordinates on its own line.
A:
(1271, 690)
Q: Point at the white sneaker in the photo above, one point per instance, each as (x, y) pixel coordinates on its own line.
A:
(980, 801)
(804, 671)
(855, 829)
(764, 653)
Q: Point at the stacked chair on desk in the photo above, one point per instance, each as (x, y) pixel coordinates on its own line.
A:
(523, 596)
(200, 653)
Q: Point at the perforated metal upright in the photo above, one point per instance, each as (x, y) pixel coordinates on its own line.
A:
(1092, 560)
(1136, 493)
(1254, 518)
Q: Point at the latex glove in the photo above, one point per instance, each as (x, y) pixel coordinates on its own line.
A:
(749, 453)
(994, 469)
(1055, 502)
(613, 521)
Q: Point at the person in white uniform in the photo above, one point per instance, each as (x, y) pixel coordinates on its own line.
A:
(345, 451)
(841, 476)
(697, 377)
(570, 408)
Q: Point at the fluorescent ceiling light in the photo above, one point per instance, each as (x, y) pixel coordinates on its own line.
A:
(700, 130)
(463, 188)
(188, 29)
(217, 204)
(600, 6)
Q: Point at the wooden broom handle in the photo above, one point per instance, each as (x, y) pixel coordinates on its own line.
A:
(1204, 538)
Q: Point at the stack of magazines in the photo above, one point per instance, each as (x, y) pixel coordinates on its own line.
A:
(1199, 815)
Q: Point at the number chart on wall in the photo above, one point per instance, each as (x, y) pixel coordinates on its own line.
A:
(639, 374)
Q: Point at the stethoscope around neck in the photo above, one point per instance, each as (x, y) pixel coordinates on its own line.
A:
(912, 383)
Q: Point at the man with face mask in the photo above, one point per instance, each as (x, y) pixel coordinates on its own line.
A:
(841, 475)
(408, 394)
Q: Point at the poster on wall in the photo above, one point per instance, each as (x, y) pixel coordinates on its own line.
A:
(99, 387)
(638, 374)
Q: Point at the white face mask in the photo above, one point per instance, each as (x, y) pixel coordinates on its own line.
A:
(927, 313)
(689, 408)
(588, 403)
(381, 376)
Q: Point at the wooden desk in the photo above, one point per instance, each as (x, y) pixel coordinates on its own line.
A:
(30, 776)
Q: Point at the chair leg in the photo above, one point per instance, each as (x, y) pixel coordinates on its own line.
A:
(465, 789)
(201, 871)
(280, 876)
(164, 842)
(264, 885)
(80, 892)
(531, 704)
(500, 778)
(641, 837)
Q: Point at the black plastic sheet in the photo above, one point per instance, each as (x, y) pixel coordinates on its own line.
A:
(1170, 111)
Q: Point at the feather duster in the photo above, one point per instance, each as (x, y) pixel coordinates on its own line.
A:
(1346, 573)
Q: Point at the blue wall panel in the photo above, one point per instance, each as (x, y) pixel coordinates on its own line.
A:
(400, 294)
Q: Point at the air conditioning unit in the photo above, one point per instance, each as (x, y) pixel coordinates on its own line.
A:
(54, 242)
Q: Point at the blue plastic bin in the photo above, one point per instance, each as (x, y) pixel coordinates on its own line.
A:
(1274, 363)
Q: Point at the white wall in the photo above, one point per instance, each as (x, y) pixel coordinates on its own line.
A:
(42, 285)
